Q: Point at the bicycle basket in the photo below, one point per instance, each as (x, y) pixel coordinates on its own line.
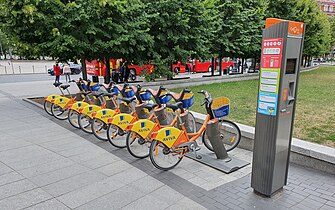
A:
(188, 100)
(95, 87)
(164, 99)
(115, 90)
(220, 107)
(129, 93)
(145, 96)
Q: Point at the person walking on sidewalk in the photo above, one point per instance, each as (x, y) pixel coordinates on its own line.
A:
(57, 72)
(67, 72)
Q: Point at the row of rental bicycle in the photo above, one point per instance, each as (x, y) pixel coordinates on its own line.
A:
(154, 123)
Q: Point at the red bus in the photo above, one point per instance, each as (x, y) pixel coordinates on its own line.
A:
(198, 67)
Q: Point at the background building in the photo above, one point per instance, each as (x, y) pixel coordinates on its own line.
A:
(327, 6)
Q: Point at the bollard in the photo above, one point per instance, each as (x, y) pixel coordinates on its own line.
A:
(46, 69)
(33, 69)
(12, 67)
(5, 69)
(20, 69)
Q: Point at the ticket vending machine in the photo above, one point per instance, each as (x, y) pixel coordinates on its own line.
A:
(282, 46)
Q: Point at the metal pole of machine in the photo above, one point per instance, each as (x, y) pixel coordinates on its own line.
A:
(282, 46)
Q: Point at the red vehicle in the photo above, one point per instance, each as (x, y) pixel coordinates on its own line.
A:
(198, 67)
(137, 70)
(98, 68)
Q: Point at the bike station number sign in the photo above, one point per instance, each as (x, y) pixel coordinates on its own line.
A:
(269, 76)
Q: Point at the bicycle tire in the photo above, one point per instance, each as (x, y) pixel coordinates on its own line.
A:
(47, 107)
(144, 144)
(73, 118)
(229, 147)
(96, 129)
(116, 141)
(86, 127)
(191, 123)
(58, 112)
(153, 156)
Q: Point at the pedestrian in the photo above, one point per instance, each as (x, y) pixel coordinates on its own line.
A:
(57, 72)
(67, 72)
(126, 71)
(121, 69)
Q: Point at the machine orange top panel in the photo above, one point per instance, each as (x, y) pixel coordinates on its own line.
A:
(295, 29)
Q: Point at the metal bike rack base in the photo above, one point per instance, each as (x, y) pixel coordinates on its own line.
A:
(227, 165)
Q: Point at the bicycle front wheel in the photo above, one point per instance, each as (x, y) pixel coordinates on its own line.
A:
(84, 122)
(47, 107)
(73, 118)
(230, 135)
(99, 129)
(59, 112)
(164, 158)
(137, 146)
(114, 135)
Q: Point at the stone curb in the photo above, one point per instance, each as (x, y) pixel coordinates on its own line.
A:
(302, 152)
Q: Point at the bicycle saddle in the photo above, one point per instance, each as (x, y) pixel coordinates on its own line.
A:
(128, 100)
(85, 93)
(174, 107)
(56, 84)
(110, 95)
(150, 106)
(64, 87)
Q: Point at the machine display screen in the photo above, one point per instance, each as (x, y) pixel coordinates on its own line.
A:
(290, 65)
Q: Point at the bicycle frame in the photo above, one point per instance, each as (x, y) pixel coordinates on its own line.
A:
(174, 137)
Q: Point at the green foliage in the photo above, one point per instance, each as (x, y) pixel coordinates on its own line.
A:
(238, 27)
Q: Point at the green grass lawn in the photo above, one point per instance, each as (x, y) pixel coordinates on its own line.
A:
(315, 112)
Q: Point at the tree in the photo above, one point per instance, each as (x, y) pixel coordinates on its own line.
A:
(179, 28)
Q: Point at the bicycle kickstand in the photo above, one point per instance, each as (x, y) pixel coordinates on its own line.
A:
(194, 148)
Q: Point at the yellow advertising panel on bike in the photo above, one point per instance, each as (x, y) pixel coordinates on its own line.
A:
(90, 109)
(104, 115)
(78, 105)
(143, 127)
(122, 120)
(168, 136)
(62, 101)
(51, 98)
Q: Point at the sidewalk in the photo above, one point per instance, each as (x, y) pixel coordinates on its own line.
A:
(46, 164)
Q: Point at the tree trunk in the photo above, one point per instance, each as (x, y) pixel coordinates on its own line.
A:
(83, 67)
(108, 72)
(255, 60)
(213, 65)
(220, 65)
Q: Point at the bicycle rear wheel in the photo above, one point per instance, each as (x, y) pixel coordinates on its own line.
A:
(191, 124)
(99, 129)
(59, 112)
(137, 146)
(230, 135)
(47, 107)
(164, 158)
(84, 122)
(114, 135)
(73, 118)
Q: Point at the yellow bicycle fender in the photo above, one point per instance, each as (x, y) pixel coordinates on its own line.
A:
(78, 105)
(168, 136)
(62, 101)
(143, 127)
(90, 109)
(122, 120)
(104, 115)
(51, 98)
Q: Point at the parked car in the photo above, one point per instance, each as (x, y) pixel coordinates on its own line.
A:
(75, 69)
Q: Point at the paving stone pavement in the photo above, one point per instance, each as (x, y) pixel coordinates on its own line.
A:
(46, 164)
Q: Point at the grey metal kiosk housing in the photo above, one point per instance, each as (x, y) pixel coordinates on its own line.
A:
(282, 46)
